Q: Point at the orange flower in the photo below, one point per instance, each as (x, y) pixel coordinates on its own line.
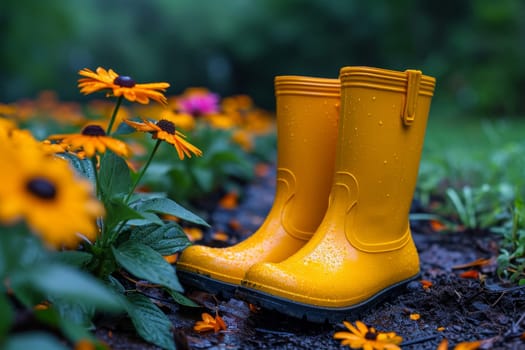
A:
(415, 317)
(437, 225)
(229, 201)
(426, 284)
(121, 85)
(171, 259)
(470, 274)
(92, 139)
(468, 345)
(261, 169)
(254, 308)
(84, 344)
(220, 236)
(209, 323)
(443, 345)
(235, 224)
(362, 336)
(193, 233)
(165, 130)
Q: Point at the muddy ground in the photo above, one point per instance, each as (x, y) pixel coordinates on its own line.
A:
(453, 307)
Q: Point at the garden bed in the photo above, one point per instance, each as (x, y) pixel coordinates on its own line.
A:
(468, 222)
(463, 303)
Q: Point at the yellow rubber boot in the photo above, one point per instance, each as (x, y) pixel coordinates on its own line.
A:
(307, 112)
(363, 249)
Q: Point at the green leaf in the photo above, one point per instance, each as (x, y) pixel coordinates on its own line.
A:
(150, 322)
(118, 211)
(181, 299)
(144, 262)
(73, 312)
(72, 319)
(114, 176)
(73, 257)
(147, 218)
(144, 234)
(168, 206)
(204, 178)
(83, 166)
(171, 246)
(34, 340)
(458, 206)
(66, 283)
(166, 239)
(18, 249)
(6, 315)
(116, 285)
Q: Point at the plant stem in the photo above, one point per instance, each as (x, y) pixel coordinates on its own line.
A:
(114, 115)
(94, 162)
(143, 171)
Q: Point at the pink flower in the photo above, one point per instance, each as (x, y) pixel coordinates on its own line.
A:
(198, 102)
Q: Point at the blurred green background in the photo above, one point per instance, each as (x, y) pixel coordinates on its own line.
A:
(475, 48)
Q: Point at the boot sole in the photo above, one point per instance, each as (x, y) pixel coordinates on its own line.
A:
(207, 284)
(319, 314)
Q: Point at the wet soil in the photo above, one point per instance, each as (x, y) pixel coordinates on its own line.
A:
(453, 307)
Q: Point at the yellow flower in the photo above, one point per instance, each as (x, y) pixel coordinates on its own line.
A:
(220, 121)
(6, 109)
(243, 139)
(53, 148)
(7, 125)
(121, 85)
(209, 323)
(92, 139)
(44, 191)
(24, 139)
(362, 336)
(184, 121)
(237, 104)
(165, 130)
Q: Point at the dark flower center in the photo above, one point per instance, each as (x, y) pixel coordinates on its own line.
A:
(167, 126)
(93, 130)
(124, 81)
(42, 188)
(371, 336)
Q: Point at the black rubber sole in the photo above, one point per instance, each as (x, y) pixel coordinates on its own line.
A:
(207, 284)
(319, 314)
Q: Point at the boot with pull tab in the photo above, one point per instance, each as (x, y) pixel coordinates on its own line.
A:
(307, 112)
(363, 249)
